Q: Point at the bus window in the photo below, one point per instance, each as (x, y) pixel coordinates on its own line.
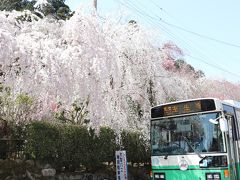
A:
(188, 134)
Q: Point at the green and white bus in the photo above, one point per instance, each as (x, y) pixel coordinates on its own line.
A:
(196, 139)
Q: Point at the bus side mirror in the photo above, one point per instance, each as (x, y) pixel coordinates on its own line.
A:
(223, 124)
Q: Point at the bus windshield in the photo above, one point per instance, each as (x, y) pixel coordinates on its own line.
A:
(187, 134)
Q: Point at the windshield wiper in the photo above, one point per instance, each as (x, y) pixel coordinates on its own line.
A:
(194, 150)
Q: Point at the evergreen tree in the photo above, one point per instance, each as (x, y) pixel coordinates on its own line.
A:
(56, 8)
(19, 5)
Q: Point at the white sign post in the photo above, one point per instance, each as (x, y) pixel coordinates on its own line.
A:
(121, 165)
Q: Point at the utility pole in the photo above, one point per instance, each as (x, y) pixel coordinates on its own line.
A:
(95, 4)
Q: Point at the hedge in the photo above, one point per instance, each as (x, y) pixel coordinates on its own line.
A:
(137, 148)
(73, 146)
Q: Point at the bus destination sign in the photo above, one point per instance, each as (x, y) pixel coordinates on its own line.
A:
(183, 108)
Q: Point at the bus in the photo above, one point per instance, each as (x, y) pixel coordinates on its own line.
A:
(196, 139)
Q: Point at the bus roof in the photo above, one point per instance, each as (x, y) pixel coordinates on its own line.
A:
(230, 101)
(186, 100)
(233, 103)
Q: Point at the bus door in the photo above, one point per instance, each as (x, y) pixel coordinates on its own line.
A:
(233, 148)
(237, 111)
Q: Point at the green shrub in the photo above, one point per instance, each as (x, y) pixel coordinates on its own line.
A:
(136, 147)
(63, 145)
(73, 146)
(107, 144)
(11, 139)
(42, 142)
(92, 159)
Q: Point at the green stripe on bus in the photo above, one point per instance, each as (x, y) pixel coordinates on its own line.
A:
(191, 174)
(191, 167)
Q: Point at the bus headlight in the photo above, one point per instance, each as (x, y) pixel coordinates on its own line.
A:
(159, 176)
(213, 176)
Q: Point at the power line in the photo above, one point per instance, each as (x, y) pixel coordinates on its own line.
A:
(144, 15)
(197, 34)
(167, 13)
(201, 58)
(201, 35)
(177, 20)
(213, 65)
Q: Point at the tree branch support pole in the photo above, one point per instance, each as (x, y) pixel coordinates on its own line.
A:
(95, 4)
